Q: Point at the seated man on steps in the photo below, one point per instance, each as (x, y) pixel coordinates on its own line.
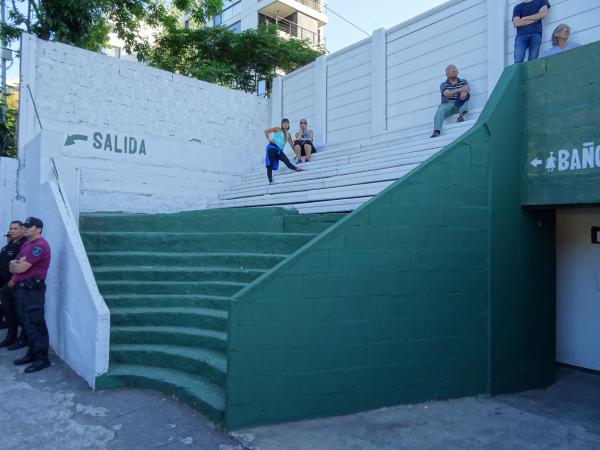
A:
(455, 99)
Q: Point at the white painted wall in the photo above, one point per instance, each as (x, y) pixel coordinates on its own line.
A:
(577, 288)
(10, 208)
(77, 317)
(202, 136)
(391, 81)
(583, 16)
(349, 93)
(419, 51)
(298, 97)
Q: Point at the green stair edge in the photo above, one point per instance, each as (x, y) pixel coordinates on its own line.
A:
(193, 390)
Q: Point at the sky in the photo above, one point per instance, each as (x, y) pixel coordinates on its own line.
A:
(365, 15)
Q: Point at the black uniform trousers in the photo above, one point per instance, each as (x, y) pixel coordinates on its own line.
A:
(30, 306)
(10, 311)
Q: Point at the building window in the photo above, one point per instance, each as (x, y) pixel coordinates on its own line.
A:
(263, 88)
(236, 27)
(231, 8)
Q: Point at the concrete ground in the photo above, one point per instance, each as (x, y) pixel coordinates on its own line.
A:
(54, 409)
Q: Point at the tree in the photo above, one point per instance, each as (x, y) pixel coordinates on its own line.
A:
(236, 60)
(7, 128)
(87, 23)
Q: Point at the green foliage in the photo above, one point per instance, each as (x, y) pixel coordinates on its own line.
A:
(8, 120)
(87, 23)
(236, 60)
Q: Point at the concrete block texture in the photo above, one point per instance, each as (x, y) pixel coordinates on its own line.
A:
(202, 134)
(418, 298)
(168, 280)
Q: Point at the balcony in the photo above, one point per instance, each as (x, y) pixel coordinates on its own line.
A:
(291, 30)
(284, 8)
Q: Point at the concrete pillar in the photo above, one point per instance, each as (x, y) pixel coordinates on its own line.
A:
(496, 42)
(29, 124)
(276, 102)
(320, 123)
(378, 81)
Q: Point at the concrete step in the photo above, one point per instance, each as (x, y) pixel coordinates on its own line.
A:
(341, 177)
(384, 150)
(192, 389)
(167, 301)
(233, 260)
(145, 272)
(265, 219)
(339, 205)
(407, 138)
(310, 223)
(252, 242)
(170, 335)
(390, 171)
(209, 319)
(211, 365)
(293, 199)
(218, 288)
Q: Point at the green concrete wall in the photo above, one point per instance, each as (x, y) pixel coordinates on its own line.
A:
(522, 247)
(561, 111)
(426, 292)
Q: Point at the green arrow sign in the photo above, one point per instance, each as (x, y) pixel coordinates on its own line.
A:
(75, 137)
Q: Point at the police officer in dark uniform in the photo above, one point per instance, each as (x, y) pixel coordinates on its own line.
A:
(7, 295)
(29, 270)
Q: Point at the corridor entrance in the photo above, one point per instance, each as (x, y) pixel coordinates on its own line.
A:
(578, 287)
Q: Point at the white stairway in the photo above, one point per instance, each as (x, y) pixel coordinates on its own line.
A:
(341, 176)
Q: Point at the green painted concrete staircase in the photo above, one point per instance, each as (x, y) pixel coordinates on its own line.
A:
(168, 279)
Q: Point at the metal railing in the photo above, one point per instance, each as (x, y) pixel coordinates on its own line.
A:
(296, 31)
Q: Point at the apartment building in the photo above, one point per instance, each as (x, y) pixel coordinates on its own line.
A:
(301, 19)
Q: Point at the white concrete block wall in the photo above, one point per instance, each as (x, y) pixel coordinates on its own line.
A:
(418, 53)
(299, 98)
(349, 93)
(10, 208)
(583, 16)
(77, 317)
(395, 84)
(206, 134)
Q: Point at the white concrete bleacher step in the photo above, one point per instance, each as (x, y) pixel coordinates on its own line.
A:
(342, 176)
(324, 165)
(340, 152)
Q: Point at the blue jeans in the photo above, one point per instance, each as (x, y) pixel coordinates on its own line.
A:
(524, 42)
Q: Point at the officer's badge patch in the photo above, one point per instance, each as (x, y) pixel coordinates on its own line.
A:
(37, 251)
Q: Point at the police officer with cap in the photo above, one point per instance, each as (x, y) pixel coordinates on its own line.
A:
(7, 254)
(29, 270)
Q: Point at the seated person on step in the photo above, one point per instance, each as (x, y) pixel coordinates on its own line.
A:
(274, 151)
(455, 99)
(560, 40)
(303, 145)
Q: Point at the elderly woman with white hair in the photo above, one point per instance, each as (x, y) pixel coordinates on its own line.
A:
(560, 40)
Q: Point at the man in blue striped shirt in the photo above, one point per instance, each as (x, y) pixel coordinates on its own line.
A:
(455, 99)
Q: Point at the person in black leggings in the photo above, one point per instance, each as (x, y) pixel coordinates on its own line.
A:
(274, 152)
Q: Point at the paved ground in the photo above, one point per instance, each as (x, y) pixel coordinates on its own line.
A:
(55, 410)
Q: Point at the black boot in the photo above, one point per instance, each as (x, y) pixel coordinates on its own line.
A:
(22, 342)
(8, 340)
(27, 359)
(40, 363)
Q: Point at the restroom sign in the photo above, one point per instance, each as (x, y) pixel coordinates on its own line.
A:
(565, 160)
